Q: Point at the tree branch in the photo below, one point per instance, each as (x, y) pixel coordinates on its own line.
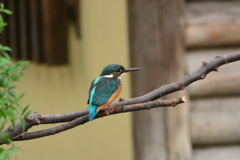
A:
(103, 113)
(80, 117)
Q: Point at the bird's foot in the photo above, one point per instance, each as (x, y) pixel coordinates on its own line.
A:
(110, 108)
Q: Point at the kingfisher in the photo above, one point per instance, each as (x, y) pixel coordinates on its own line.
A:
(106, 88)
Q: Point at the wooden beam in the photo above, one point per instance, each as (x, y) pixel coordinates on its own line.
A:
(156, 44)
(206, 0)
(224, 82)
(215, 121)
(213, 23)
(217, 152)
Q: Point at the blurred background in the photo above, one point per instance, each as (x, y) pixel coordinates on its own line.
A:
(69, 42)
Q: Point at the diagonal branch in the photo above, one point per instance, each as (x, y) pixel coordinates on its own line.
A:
(199, 74)
(36, 118)
(103, 113)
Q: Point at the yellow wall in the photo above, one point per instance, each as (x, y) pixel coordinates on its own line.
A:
(62, 89)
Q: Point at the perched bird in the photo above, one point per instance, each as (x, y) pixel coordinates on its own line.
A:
(106, 88)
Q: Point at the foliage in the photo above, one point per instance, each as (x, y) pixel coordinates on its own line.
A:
(2, 23)
(11, 110)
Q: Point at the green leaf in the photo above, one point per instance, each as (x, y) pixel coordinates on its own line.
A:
(11, 110)
(10, 70)
(23, 64)
(12, 93)
(2, 114)
(6, 48)
(12, 87)
(7, 11)
(2, 23)
(23, 124)
(5, 137)
(18, 98)
(24, 110)
(16, 77)
(5, 82)
(7, 101)
(5, 60)
(6, 55)
(14, 120)
(1, 6)
(27, 114)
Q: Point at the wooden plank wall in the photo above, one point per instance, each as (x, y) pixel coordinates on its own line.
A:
(214, 29)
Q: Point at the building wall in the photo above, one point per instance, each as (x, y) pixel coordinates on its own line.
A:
(213, 30)
(63, 89)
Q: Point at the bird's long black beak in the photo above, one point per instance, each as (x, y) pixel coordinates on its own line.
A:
(131, 70)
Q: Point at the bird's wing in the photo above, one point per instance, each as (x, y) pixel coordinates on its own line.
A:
(102, 90)
(89, 93)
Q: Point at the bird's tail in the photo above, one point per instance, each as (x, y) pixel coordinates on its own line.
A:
(92, 111)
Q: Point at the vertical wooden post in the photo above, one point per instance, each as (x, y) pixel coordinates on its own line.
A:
(157, 45)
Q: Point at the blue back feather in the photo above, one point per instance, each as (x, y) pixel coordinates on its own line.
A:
(92, 111)
(92, 107)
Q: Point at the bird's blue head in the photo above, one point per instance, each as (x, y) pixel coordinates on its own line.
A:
(116, 70)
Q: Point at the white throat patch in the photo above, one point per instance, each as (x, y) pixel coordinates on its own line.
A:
(108, 76)
(111, 76)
